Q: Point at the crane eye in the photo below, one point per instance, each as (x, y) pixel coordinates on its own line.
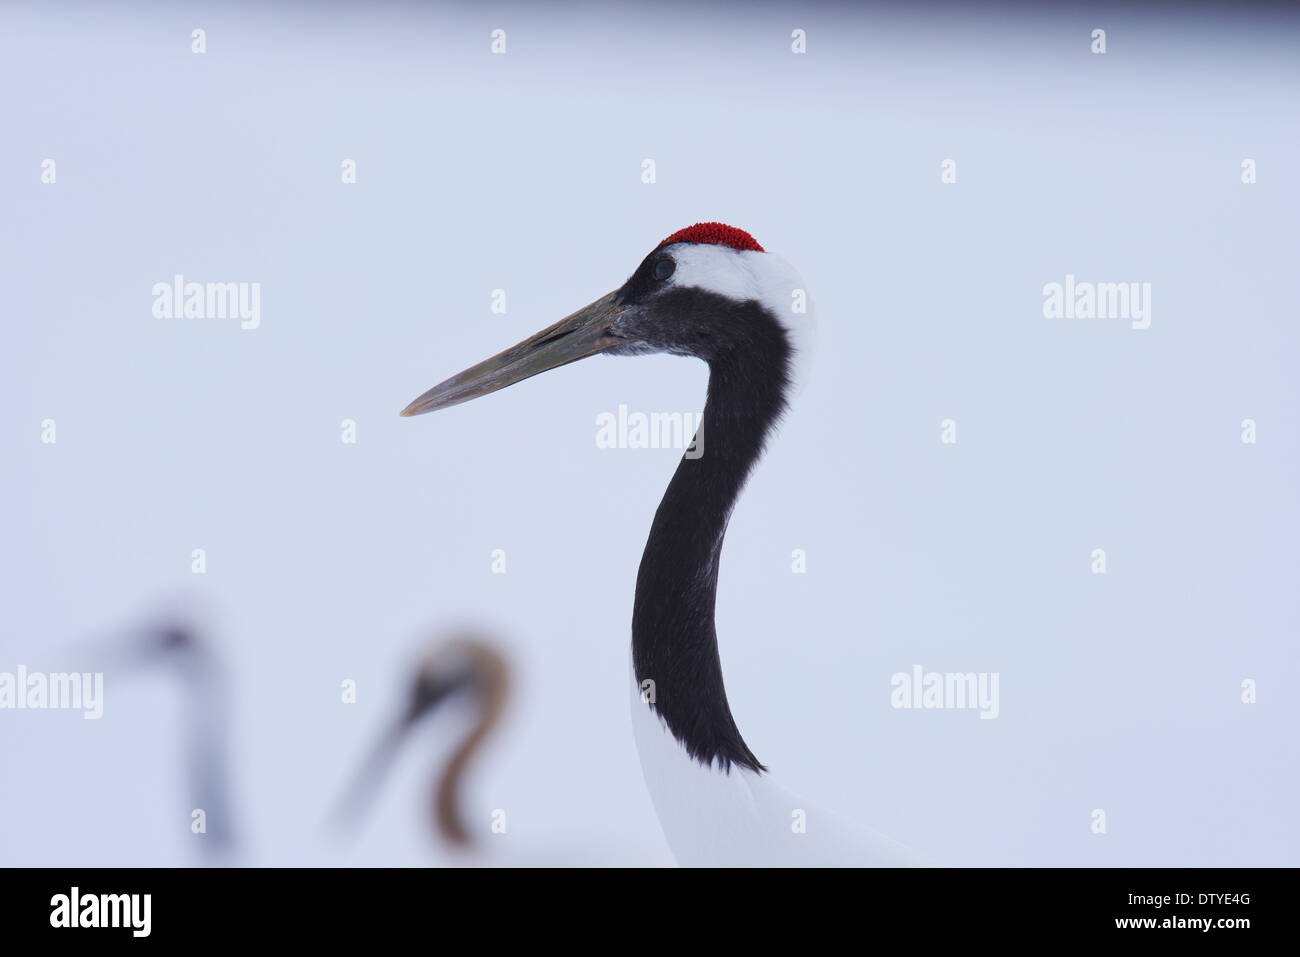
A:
(664, 268)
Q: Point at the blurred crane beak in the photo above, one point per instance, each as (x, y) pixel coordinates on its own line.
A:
(359, 796)
(585, 333)
(365, 784)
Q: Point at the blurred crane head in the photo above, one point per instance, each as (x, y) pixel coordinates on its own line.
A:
(461, 664)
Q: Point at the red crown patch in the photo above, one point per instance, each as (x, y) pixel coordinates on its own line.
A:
(714, 234)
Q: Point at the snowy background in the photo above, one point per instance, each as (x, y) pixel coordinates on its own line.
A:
(329, 561)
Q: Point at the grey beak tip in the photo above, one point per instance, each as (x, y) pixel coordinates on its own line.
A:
(415, 408)
(584, 333)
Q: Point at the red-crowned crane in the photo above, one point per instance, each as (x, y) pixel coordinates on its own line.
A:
(709, 291)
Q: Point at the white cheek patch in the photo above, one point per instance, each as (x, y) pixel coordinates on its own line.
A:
(765, 278)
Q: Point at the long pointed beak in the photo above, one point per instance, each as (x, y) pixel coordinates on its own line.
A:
(585, 333)
(366, 783)
(360, 794)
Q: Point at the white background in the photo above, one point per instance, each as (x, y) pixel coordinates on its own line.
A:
(329, 561)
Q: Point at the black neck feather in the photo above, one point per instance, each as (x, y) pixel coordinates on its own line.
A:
(674, 642)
